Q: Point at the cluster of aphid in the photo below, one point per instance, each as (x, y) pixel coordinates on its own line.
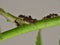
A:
(28, 19)
(31, 20)
(50, 16)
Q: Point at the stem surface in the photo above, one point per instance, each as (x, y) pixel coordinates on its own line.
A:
(40, 24)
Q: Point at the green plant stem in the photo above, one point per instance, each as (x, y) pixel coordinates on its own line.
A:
(39, 40)
(11, 17)
(7, 15)
(40, 24)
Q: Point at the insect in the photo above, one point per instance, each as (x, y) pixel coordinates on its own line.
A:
(50, 16)
(27, 19)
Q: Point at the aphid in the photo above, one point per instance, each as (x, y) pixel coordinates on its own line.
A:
(50, 16)
(27, 19)
(17, 23)
(21, 16)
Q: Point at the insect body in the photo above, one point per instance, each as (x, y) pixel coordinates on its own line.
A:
(27, 19)
(50, 16)
(30, 20)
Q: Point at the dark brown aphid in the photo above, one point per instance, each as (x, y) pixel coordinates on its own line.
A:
(27, 19)
(51, 16)
(17, 23)
(21, 16)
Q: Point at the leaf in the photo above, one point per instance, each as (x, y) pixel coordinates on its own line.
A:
(39, 41)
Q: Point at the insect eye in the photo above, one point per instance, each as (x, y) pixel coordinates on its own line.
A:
(30, 17)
